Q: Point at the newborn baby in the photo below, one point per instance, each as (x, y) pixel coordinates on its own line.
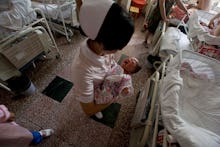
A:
(118, 82)
(213, 29)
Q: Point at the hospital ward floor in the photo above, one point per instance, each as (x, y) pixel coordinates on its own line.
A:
(72, 127)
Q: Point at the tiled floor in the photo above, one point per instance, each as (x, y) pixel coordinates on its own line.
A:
(72, 127)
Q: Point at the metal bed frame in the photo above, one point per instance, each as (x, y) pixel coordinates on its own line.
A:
(146, 117)
(62, 29)
(13, 69)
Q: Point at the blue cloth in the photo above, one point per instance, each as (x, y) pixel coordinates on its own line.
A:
(37, 137)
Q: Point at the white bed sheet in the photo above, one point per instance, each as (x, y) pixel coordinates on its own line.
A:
(15, 18)
(52, 10)
(174, 41)
(191, 106)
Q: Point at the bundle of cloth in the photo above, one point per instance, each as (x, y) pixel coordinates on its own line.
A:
(14, 14)
(173, 41)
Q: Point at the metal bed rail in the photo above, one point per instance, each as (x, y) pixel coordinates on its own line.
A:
(62, 29)
(12, 70)
(145, 129)
(26, 27)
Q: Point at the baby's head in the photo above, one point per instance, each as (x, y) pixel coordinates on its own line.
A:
(130, 65)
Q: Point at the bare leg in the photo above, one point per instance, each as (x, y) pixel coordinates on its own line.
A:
(148, 37)
(92, 108)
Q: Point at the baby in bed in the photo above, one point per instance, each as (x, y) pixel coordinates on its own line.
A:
(215, 30)
(118, 82)
(187, 69)
(214, 25)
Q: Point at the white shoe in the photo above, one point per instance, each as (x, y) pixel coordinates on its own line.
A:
(46, 132)
(99, 115)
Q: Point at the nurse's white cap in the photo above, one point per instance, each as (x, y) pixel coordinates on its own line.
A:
(92, 15)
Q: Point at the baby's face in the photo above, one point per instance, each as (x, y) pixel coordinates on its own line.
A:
(129, 65)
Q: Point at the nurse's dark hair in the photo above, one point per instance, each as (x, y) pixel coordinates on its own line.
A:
(117, 29)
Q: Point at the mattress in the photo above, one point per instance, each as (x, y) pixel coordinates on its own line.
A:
(53, 11)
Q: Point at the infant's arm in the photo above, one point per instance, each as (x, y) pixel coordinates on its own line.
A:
(126, 87)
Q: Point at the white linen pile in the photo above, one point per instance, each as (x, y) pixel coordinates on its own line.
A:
(173, 41)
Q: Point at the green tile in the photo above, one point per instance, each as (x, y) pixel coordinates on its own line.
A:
(58, 88)
(110, 115)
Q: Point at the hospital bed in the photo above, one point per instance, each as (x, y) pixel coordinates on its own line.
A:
(18, 50)
(59, 13)
(189, 99)
(19, 17)
(196, 38)
(14, 14)
(182, 99)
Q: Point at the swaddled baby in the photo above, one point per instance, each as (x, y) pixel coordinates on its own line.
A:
(118, 82)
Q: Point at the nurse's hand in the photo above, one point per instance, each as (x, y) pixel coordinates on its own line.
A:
(211, 24)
